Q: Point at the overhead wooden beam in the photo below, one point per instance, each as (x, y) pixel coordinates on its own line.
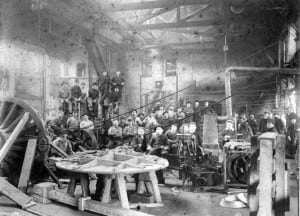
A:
(207, 45)
(152, 15)
(153, 4)
(178, 14)
(177, 25)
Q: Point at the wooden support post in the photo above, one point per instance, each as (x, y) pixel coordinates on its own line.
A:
(121, 189)
(71, 186)
(267, 142)
(265, 174)
(280, 175)
(13, 136)
(82, 202)
(27, 164)
(15, 194)
(107, 189)
(156, 193)
(85, 184)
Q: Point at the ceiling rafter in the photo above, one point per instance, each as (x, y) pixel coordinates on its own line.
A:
(152, 15)
(205, 7)
(153, 4)
(159, 26)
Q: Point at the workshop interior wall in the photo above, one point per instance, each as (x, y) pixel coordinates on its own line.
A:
(201, 74)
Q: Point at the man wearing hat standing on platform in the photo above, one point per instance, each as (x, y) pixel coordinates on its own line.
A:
(93, 101)
(64, 94)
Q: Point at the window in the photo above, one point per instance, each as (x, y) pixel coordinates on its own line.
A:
(171, 67)
(147, 67)
(81, 70)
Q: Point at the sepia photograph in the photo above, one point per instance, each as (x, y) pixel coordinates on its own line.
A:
(149, 107)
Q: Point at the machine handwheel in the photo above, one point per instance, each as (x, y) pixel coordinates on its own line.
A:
(12, 111)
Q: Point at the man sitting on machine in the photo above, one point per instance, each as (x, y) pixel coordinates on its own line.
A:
(130, 130)
(172, 139)
(139, 141)
(115, 135)
(62, 143)
(157, 146)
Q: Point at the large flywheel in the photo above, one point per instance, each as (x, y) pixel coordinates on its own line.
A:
(19, 122)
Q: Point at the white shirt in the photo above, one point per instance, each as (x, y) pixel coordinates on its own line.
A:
(86, 124)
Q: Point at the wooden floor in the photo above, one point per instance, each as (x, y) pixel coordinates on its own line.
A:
(175, 204)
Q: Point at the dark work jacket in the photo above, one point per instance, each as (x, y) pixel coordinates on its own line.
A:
(93, 94)
(253, 124)
(137, 139)
(76, 91)
(279, 125)
(159, 141)
(197, 114)
(263, 125)
(291, 131)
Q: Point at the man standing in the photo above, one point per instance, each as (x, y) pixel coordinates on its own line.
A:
(252, 123)
(279, 125)
(263, 123)
(270, 126)
(291, 135)
(117, 82)
(72, 122)
(197, 113)
(104, 83)
(75, 97)
(64, 94)
(86, 123)
(93, 100)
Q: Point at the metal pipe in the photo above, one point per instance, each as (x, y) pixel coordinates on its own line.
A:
(229, 70)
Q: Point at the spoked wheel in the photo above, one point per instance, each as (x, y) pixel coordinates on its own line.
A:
(89, 140)
(238, 167)
(18, 123)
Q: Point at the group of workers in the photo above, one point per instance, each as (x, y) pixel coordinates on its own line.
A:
(158, 131)
(94, 101)
(270, 122)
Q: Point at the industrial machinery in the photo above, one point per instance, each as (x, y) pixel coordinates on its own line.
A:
(83, 138)
(13, 113)
(194, 164)
(237, 156)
